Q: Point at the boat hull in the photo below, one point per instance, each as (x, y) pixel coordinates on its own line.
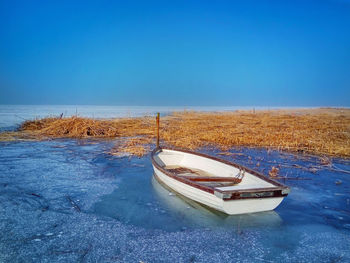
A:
(231, 207)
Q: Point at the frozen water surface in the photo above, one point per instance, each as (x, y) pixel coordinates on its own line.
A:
(69, 201)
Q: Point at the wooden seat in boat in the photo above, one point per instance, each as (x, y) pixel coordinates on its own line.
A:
(204, 177)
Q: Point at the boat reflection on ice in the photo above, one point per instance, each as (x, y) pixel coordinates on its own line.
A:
(197, 214)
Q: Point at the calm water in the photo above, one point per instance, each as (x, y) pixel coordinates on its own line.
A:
(69, 201)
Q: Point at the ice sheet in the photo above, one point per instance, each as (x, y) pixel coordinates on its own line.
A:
(66, 200)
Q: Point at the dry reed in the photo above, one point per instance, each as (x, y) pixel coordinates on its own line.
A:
(316, 131)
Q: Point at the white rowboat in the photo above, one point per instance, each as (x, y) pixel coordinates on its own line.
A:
(219, 184)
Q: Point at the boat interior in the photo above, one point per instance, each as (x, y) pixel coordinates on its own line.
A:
(208, 172)
(203, 177)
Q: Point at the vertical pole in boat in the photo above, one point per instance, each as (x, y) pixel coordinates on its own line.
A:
(157, 130)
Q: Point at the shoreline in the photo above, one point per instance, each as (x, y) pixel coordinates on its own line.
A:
(319, 131)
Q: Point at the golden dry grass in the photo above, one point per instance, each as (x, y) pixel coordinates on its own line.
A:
(136, 146)
(78, 127)
(316, 131)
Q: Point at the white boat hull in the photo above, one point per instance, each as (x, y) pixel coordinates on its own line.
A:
(231, 207)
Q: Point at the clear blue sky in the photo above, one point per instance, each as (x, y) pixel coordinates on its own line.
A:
(230, 53)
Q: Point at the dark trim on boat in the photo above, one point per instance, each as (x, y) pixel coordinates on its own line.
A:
(280, 190)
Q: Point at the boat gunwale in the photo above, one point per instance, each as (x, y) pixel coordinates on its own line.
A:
(277, 189)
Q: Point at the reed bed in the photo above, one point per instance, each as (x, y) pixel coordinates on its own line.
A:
(315, 131)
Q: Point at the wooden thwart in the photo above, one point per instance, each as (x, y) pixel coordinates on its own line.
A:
(185, 172)
(181, 170)
(213, 179)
